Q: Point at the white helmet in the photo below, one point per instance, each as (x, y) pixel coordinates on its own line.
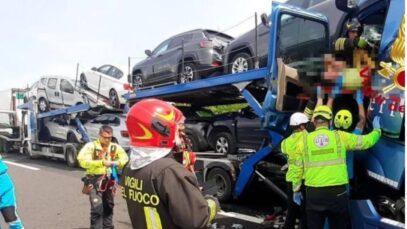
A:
(298, 118)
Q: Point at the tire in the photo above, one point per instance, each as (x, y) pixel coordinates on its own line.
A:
(83, 82)
(194, 142)
(223, 182)
(43, 105)
(223, 143)
(114, 99)
(189, 73)
(241, 62)
(70, 155)
(138, 81)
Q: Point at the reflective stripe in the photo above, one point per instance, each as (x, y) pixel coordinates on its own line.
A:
(153, 220)
(315, 164)
(343, 44)
(338, 144)
(360, 142)
(337, 44)
(306, 156)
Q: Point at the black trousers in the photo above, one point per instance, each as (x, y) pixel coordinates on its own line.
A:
(330, 203)
(101, 209)
(294, 211)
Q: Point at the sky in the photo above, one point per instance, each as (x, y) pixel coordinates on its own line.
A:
(40, 37)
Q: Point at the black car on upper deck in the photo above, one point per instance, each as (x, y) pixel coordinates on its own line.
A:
(182, 58)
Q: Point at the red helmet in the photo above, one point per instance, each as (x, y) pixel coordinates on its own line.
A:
(152, 123)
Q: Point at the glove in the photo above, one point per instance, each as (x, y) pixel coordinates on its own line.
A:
(359, 97)
(362, 42)
(376, 122)
(297, 198)
(214, 206)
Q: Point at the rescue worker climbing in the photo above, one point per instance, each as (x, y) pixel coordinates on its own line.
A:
(159, 191)
(321, 160)
(352, 41)
(99, 158)
(8, 206)
(298, 122)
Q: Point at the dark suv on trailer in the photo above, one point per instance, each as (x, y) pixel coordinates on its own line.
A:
(201, 56)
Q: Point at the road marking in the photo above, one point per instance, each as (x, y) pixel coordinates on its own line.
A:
(21, 165)
(242, 216)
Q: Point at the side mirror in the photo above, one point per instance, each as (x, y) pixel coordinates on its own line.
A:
(347, 5)
(265, 20)
(94, 69)
(148, 52)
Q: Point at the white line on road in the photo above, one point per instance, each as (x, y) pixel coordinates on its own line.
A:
(242, 216)
(21, 165)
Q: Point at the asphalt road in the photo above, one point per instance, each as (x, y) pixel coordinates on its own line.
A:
(49, 196)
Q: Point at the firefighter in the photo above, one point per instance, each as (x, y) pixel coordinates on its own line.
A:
(353, 39)
(99, 158)
(298, 123)
(8, 199)
(159, 191)
(323, 167)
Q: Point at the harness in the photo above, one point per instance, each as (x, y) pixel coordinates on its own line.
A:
(105, 182)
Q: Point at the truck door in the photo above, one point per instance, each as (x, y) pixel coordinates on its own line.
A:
(295, 35)
(385, 162)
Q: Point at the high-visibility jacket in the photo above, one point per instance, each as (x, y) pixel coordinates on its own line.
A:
(323, 161)
(92, 155)
(288, 147)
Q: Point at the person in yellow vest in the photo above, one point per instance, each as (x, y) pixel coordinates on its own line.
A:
(298, 122)
(320, 159)
(99, 158)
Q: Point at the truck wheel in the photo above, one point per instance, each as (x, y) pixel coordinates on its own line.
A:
(70, 155)
(189, 73)
(194, 142)
(241, 62)
(224, 143)
(223, 182)
(43, 105)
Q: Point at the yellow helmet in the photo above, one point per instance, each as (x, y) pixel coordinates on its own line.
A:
(323, 111)
(343, 119)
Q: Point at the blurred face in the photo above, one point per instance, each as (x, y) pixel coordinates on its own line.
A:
(179, 129)
(353, 34)
(105, 138)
